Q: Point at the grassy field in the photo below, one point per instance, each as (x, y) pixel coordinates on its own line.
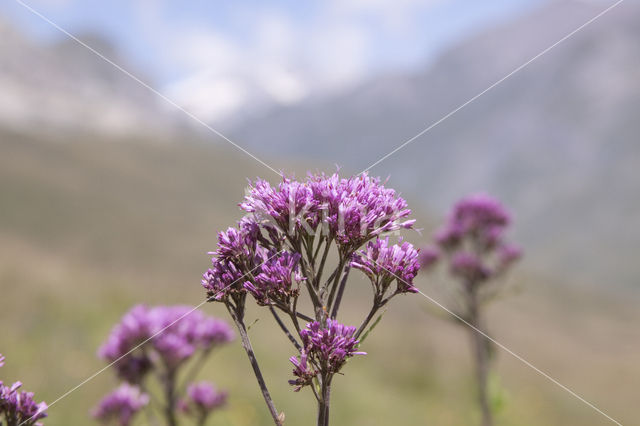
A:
(89, 229)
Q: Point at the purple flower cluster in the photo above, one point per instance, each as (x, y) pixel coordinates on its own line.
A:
(473, 238)
(294, 231)
(168, 335)
(18, 407)
(352, 210)
(251, 257)
(327, 349)
(277, 279)
(429, 256)
(121, 405)
(384, 263)
(203, 399)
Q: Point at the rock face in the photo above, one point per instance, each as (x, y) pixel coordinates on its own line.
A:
(65, 87)
(558, 141)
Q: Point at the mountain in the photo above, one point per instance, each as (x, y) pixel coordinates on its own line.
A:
(558, 141)
(64, 87)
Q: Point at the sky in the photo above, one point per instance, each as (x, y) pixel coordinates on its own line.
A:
(217, 58)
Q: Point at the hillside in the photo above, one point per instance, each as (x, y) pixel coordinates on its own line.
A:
(557, 141)
(62, 86)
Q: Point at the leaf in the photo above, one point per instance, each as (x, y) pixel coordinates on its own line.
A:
(497, 394)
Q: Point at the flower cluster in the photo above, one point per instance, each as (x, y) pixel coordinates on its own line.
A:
(165, 334)
(121, 405)
(352, 210)
(327, 348)
(18, 407)
(383, 263)
(203, 399)
(154, 343)
(473, 238)
(292, 233)
(277, 279)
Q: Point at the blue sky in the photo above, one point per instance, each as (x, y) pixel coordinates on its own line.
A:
(216, 57)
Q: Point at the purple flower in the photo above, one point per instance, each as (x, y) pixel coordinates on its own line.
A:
(478, 217)
(384, 264)
(303, 371)
(507, 255)
(169, 334)
(352, 210)
(203, 398)
(223, 279)
(326, 348)
(290, 206)
(121, 405)
(18, 407)
(1, 360)
(275, 281)
(474, 239)
(469, 267)
(428, 257)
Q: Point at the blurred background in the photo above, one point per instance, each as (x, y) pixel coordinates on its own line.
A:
(110, 196)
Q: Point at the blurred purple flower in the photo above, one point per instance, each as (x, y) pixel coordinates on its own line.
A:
(121, 405)
(170, 334)
(428, 257)
(508, 254)
(1, 360)
(474, 239)
(469, 267)
(203, 399)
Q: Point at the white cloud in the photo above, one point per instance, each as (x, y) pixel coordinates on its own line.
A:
(209, 97)
(282, 58)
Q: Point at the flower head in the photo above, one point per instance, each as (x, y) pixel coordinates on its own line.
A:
(19, 407)
(302, 370)
(428, 257)
(473, 238)
(169, 334)
(478, 217)
(276, 278)
(121, 405)
(352, 210)
(469, 267)
(331, 345)
(324, 349)
(203, 399)
(384, 264)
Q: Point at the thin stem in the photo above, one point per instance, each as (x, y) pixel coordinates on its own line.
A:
(284, 328)
(336, 304)
(322, 262)
(325, 402)
(194, 370)
(481, 359)
(246, 344)
(377, 304)
(170, 395)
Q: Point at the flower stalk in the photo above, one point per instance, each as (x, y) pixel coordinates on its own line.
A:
(280, 251)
